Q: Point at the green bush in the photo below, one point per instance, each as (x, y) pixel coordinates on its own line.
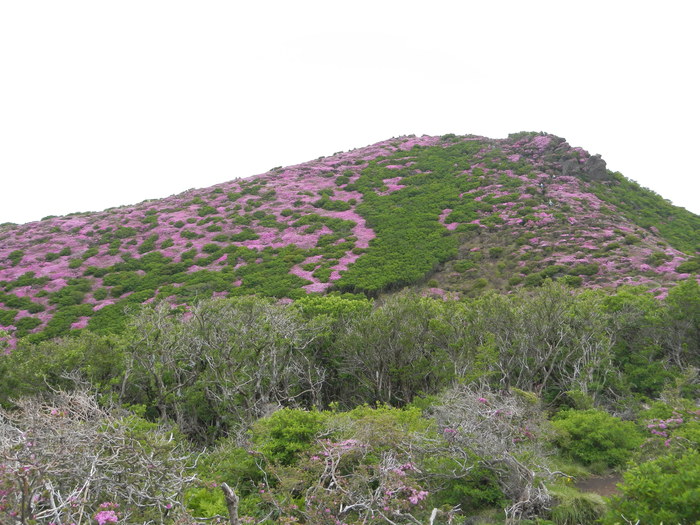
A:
(7, 316)
(331, 205)
(227, 463)
(148, 245)
(284, 435)
(573, 280)
(25, 324)
(211, 248)
(595, 437)
(691, 266)
(534, 280)
(189, 234)
(206, 210)
(246, 234)
(584, 269)
(664, 490)
(658, 258)
(16, 257)
(123, 232)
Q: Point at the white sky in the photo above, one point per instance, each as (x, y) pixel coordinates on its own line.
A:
(109, 103)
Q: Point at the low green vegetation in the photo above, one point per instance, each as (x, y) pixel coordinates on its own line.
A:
(649, 210)
(406, 406)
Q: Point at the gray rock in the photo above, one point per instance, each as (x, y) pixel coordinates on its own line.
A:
(595, 168)
(571, 167)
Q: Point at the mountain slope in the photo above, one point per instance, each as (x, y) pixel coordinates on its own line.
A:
(447, 213)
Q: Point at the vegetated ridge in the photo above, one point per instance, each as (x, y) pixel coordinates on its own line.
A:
(450, 214)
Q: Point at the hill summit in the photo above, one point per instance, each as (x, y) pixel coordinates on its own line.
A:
(451, 214)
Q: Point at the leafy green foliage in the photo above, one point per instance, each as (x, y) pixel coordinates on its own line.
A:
(664, 490)
(284, 435)
(247, 234)
(584, 269)
(410, 240)
(15, 257)
(332, 205)
(593, 436)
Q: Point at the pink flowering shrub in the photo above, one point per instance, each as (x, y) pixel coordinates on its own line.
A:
(407, 203)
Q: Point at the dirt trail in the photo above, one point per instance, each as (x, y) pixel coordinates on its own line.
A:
(604, 485)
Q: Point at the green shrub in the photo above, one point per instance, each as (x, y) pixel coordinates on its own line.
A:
(473, 492)
(463, 265)
(584, 269)
(658, 258)
(495, 252)
(148, 245)
(691, 266)
(551, 271)
(206, 210)
(7, 316)
(331, 205)
(246, 234)
(189, 234)
(25, 324)
(123, 232)
(285, 434)
(211, 248)
(573, 280)
(534, 280)
(16, 257)
(595, 437)
(515, 280)
(664, 490)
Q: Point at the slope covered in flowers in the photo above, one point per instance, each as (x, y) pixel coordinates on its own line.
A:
(445, 213)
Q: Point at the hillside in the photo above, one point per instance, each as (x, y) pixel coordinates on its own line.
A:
(444, 214)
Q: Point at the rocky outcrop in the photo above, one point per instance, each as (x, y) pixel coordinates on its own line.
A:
(594, 168)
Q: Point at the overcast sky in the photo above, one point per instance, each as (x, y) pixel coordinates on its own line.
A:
(109, 103)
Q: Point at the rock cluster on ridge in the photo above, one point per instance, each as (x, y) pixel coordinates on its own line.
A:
(446, 214)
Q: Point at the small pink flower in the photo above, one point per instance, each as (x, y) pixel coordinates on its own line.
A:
(106, 516)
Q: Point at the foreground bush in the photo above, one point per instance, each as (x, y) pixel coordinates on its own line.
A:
(596, 438)
(664, 490)
(65, 459)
